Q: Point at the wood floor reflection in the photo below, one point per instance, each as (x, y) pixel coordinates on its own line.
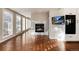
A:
(72, 46)
(29, 42)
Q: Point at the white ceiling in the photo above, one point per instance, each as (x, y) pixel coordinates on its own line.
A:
(27, 11)
(39, 10)
(24, 11)
(42, 10)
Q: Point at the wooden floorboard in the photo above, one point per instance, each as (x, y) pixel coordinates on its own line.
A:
(72, 46)
(28, 42)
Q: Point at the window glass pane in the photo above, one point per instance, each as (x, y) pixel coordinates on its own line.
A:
(18, 23)
(23, 23)
(7, 23)
(28, 23)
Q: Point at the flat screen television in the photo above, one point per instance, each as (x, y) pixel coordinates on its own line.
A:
(58, 20)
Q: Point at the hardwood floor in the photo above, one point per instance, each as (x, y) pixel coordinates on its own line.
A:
(28, 42)
(72, 46)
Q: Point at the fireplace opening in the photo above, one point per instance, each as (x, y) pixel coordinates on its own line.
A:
(39, 27)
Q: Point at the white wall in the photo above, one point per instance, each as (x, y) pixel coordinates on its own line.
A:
(38, 22)
(1, 13)
(56, 31)
(53, 32)
(40, 18)
(74, 11)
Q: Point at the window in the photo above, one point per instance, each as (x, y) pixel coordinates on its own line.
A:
(23, 23)
(7, 23)
(28, 23)
(18, 23)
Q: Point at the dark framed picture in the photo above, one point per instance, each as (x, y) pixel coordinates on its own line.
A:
(58, 20)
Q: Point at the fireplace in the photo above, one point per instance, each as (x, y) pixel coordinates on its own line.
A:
(39, 27)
